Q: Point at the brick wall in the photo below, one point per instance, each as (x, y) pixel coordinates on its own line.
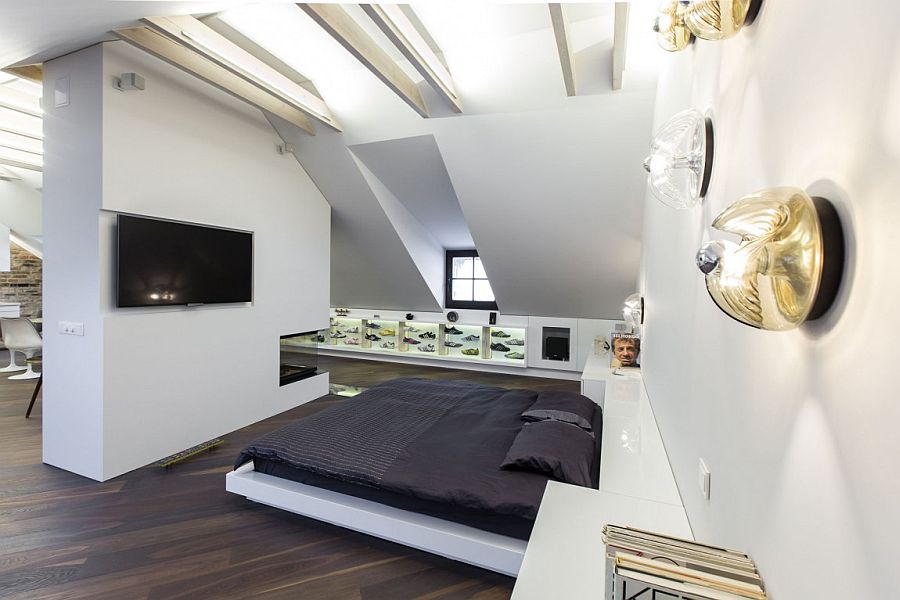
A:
(22, 283)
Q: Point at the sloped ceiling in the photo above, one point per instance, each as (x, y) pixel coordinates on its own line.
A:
(38, 30)
(555, 207)
(425, 251)
(370, 264)
(550, 187)
(413, 169)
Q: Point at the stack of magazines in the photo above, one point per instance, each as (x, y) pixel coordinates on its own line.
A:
(642, 564)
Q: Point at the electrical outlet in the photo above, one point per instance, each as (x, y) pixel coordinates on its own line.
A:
(703, 479)
(70, 328)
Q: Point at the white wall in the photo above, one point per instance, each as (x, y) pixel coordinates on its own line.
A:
(5, 255)
(170, 378)
(20, 202)
(73, 387)
(798, 428)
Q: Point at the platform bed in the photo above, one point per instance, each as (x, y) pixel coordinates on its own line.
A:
(492, 551)
(416, 462)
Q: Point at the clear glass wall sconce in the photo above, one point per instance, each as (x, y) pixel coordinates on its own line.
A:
(680, 20)
(680, 161)
(787, 267)
(633, 311)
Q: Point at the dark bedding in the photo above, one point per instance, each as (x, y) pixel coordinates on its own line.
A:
(418, 444)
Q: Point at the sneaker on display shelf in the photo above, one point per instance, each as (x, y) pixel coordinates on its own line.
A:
(427, 348)
(428, 335)
(354, 330)
(499, 334)
(450, 344)
(412, 341)
(499, 347)
(372, 337)
(471, 338)
(470, 351)
(515, 355)
(352, 342)
(452, 331)
(338, 335)
(516, 342)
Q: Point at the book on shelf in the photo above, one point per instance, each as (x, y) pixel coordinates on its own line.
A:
(675, 541)
(680, 552)
(640, 561)
(635, 584)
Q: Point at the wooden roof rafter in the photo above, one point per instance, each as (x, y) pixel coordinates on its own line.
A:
(338, 23)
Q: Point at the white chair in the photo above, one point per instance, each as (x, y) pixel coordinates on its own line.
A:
(12, 366)
(20, 335)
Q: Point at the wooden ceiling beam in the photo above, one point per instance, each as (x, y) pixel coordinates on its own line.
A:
(205, 69)
(202, 39)
(349, 34)
(7, 175)
(10, 162)
(27, 145)
(402, 32)
(33, 73)
(15, 131)
(620, 38)
(563, 46)
(20, 102)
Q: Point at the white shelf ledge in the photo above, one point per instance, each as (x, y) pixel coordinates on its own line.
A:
(477, 360)
(637, 488)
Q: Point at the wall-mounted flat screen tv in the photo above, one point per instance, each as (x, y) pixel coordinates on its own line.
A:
(162, 263)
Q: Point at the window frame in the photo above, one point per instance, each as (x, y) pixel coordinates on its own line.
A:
(449, 302)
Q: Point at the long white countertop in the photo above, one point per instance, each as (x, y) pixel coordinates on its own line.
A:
(565, 555)
(633, 460)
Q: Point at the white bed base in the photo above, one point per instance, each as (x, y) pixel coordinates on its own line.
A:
(484, 549)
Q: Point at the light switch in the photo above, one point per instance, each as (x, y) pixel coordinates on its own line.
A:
(70, 328)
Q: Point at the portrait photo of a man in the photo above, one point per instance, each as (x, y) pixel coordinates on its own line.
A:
(625, 351)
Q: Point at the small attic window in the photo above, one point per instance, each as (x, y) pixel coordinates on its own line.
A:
(467, 285)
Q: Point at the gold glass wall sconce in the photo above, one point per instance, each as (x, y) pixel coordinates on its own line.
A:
(788, 265)
(680, 161)
(679, 21)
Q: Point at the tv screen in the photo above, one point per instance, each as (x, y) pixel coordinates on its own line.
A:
(164, 263)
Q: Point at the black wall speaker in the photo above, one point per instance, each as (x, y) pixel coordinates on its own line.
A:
(492, 318)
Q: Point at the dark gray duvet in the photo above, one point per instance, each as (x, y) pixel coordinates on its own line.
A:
(430, 440)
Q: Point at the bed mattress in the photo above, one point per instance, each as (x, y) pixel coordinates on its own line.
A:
(428, 446)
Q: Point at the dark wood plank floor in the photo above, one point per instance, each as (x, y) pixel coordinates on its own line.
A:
(156, 534)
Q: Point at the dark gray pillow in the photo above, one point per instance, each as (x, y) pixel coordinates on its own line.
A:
(561, 450)
(556, 415)
(567, 407)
